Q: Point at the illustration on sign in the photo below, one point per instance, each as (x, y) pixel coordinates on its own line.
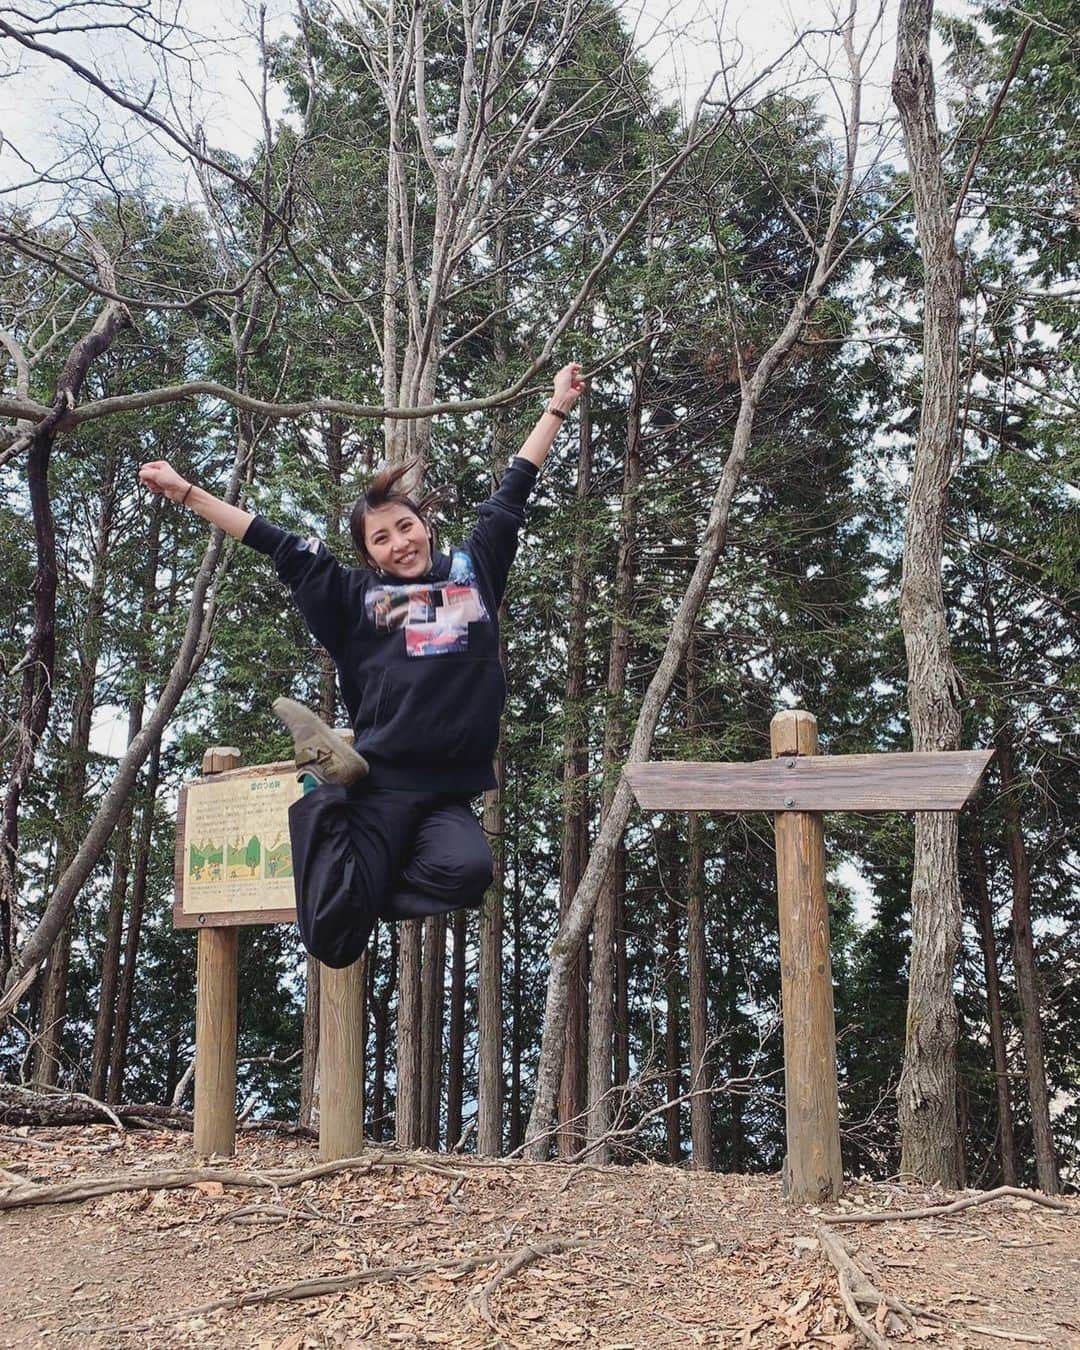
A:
(237, 854)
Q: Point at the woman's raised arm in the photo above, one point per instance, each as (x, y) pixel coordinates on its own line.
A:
(568, 387)
(160, 477)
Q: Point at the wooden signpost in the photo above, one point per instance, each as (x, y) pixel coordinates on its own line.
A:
(234, 866)
(798, 784)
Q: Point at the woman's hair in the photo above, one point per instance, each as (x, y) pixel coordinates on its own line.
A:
(384, 491)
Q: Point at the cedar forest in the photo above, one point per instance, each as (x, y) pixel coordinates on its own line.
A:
(785, 301)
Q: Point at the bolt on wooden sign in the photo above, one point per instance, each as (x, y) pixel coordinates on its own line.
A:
(233, 855)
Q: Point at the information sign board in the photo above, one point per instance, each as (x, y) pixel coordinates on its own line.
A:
(233, 856)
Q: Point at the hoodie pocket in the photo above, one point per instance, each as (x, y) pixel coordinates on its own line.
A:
(441, 710)
(371, 702)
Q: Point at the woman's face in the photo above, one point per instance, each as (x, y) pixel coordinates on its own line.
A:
(397, 541)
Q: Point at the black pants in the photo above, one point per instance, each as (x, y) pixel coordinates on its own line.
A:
(361, 853)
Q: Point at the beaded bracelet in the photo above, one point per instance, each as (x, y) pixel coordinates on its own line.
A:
(556, 412)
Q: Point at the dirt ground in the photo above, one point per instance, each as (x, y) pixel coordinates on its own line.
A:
(509, 1255)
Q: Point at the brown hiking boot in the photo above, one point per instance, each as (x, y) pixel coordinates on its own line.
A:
(319, 750)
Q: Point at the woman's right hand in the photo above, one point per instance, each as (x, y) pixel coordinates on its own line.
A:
(160, 477)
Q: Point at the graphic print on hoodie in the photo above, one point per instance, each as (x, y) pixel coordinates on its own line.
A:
(435, 615)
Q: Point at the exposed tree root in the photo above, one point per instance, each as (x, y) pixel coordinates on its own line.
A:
(525, 1256)
(966, 1202)
(280, 1293)
(858, 1292)
(71, 1192)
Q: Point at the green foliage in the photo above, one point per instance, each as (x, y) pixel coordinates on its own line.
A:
(802, 610)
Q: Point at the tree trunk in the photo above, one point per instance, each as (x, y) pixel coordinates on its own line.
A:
(172, 1065)
(391, 279)
(985, 915)
(1027, 978)
(126, 994)
(602, 972)
(433, 988)
(309, 1063)
(110, 961)
(672, 1038)
(489, 1125)
(931, 1145)
(72, 788)
(697, 958)
(517, 1012)
(1024, 964)
(455, 1067)
(407, 1117)
(575, 820)
(380, 1006)
(52, 1013)
(489, 1012)
(35, 695)
(622, 972)
(736, 1067)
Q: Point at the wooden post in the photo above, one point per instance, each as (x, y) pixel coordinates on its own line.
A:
(215, 1017)
(341, 1061)
(813, 1173)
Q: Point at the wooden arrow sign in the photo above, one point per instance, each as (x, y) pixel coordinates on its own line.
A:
(942, 780)
(799, 785)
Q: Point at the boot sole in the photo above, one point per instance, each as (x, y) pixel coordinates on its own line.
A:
(317, 748)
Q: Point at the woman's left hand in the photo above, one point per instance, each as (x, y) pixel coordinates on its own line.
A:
(568, 386)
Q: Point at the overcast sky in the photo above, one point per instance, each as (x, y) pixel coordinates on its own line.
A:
(42, 106)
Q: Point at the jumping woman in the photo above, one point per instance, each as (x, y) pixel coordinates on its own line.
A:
(385, 829)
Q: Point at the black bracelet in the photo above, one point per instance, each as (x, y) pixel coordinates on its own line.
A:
(556, 412)
(184, 498)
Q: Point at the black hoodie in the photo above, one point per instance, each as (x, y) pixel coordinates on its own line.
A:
(417, 661)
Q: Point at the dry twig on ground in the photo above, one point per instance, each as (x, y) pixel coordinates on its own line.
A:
(1001, 1334)
(954, 1207)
